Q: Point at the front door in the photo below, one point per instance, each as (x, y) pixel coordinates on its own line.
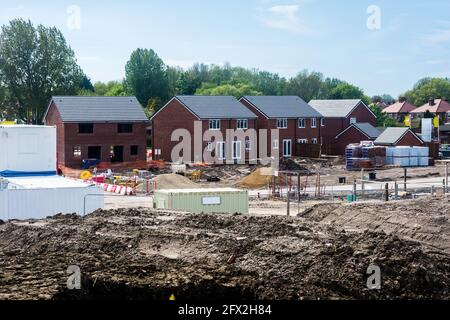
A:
(237, 145)
(117, 155)
(287, 148)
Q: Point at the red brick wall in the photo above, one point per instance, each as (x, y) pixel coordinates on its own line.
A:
(53, 118)
(293, 132)
(352, 135)
(176, 116)
(334, 126)
(409, 140)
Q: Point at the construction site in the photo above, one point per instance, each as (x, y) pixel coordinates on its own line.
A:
(311, 230)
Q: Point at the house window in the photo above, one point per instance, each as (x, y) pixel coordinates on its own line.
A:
(313, 123)
(214, 124)
(248, 144)
(236, 150)
(125, 128)
(302, 141)
(85, 128)
(77, 152)
(209, 146)
(322, 122)
(353, 120)
(314, 140)
(287, 148)
(242, 124)
(282, 123)
(275, 144)
(134, 150)
(301, 123)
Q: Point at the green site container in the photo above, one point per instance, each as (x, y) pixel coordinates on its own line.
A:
(224, 200)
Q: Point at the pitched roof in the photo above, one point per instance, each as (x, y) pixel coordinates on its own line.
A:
(216, 107)
(400, 107)
(438, 107)
(335, 108)
(365, 128)
(98, 109)
(282, 107)
(391, 136)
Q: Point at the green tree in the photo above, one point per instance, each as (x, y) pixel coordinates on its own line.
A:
(146, 76)
(36, 63)
(427, 88)
(307, 85)
(227, 90)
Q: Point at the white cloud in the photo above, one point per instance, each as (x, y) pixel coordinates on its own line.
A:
(284, 17)
(439, 36)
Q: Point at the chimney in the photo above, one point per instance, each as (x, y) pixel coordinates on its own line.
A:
(402, 99)
(431, 102)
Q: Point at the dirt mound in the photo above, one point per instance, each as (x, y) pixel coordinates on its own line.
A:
(260, 178)
(145, 254)
(173, 181)
(291, 165)
(425, 220)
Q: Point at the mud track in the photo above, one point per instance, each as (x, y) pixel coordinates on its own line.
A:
(145, 254)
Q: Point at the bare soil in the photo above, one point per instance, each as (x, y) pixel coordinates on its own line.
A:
(148, 254)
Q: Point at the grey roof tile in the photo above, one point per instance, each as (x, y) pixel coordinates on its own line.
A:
(216, 107)
(283, 107)
(334, 108)
(99, 109)
(391, 135)
(368, 129)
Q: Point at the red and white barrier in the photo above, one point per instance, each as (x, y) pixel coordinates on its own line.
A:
(122, 190)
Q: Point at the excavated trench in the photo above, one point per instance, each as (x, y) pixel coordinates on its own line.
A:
(94, 289)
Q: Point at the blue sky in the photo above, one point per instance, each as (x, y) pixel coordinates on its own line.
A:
(412, 41)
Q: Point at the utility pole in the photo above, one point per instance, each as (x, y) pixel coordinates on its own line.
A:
(405, 172)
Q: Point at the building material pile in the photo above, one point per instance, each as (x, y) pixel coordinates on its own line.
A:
(260, 178)
(173, 181)
(408, 156)
(365, 155)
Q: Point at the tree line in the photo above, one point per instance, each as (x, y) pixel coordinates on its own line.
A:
(37, 63)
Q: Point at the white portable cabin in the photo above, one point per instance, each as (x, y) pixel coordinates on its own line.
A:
(29, 186)
(26, 150)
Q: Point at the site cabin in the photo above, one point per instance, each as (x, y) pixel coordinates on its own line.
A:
(105, 129)
(355, 133)
(297, 122)
(396, 137)
(438, 107)
(338, 116)
(399, 110)
(214, 115)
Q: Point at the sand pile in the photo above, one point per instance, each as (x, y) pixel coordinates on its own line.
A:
(260, 178)
(173, 181)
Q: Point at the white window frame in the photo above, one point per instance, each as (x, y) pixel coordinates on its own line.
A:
(302, 141)
(285, 143)
(322, 122)
(313, 123)
(284, 121)
(209, 146)
(314, 141)
(76, 152)
(221, 150)
(353, 120)
(301, 123)
(242, 124)
(214, 124)
(275, 144)
(248, 144)
(237, 150)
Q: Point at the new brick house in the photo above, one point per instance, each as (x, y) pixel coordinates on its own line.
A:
(399, 137)
(338, 116)
(107, 129)
(214, 114)
(297, 121)
(355, 133)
